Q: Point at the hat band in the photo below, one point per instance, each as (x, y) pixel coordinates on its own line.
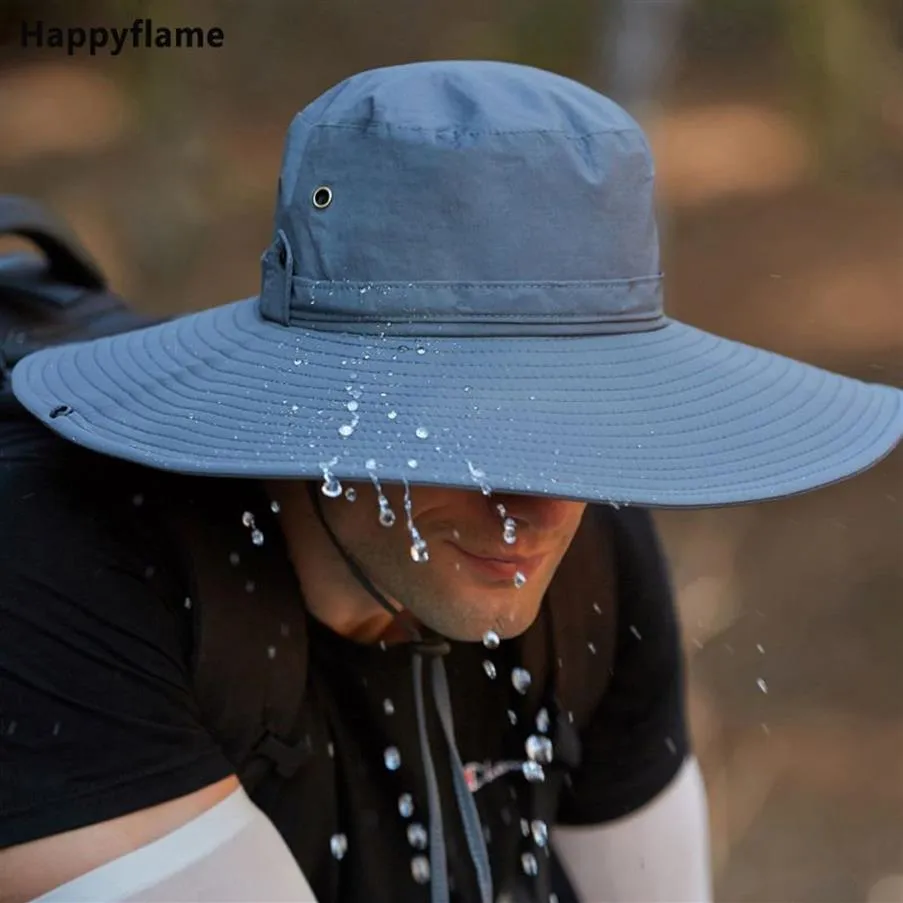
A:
(592, 307)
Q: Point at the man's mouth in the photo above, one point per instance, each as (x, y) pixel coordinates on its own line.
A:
(503, 568)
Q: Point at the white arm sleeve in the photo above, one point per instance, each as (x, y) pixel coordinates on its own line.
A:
(229, 854)
(659, 854)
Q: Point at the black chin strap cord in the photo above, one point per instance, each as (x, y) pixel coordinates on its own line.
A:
(429, 644)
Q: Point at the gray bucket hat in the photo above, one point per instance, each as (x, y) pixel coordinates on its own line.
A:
(464, 290)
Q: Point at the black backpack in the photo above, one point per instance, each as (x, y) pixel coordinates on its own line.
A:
(252, 702)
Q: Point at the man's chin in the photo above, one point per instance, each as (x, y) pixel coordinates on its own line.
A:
(472, 627)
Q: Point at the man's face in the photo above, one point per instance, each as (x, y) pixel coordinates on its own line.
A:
(472, 581)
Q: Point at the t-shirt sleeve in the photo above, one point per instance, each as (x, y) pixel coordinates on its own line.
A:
(97, 717)
(637, 740)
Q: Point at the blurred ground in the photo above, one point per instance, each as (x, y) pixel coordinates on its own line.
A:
(792, 610)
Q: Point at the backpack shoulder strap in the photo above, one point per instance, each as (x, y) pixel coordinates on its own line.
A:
(250, 637)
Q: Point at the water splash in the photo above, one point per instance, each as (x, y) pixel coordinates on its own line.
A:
(338, 845)
(419, 551)
(386, 514)
(521, 679)
(331, 487)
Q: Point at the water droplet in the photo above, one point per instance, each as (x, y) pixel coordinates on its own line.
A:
(540, 831)
(331, 487)
(271, 651)
(760, 683)
(330, 750)
(187, 602)
(250, 586)
(297, 361)
(529, 864)
(542, 721)
(591, 647)
(519, 580)
(234, 558)
(420, 869)
(635, 632)
(352, 406)
(346, 429)
(491, 639)
(421, 350)
(392, 758)
(56, 728)
(489, 668)
(597, 608)
(338, 844)
(760, 648)
(405, 805)
(672, 746)
(247, 519)
(417, 836)
(422, 432)
(351, 493)
(257, 537)
(149, 572)
(275, 507)
(533, 772)
(509, 533)
(138, 500)
(386, 514)
(419, 551)
(392, 415)
(479, 477)
(388, 707)
(412, 463)
(520, 678)
(539, 749)
(525, 827)
(512, 716)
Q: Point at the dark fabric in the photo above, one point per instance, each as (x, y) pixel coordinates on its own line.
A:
(99, 717)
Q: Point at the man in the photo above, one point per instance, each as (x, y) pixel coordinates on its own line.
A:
(458, 352)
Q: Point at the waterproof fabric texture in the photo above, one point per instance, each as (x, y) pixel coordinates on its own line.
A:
(464, 289)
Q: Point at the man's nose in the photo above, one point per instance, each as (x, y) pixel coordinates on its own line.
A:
(537, 512)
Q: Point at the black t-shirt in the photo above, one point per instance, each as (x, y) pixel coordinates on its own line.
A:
(98, 717)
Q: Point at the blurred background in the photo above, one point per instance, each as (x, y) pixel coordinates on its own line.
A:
(778, 131)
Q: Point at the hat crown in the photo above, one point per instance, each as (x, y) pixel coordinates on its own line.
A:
(464, 172)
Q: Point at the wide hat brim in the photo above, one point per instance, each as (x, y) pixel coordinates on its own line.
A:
(673, 417)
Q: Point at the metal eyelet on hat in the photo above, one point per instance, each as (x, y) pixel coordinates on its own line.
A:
(322, 197)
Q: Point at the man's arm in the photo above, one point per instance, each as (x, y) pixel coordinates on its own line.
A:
(633, 824)
(212, 846)
(659, 854)
(111, 786)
